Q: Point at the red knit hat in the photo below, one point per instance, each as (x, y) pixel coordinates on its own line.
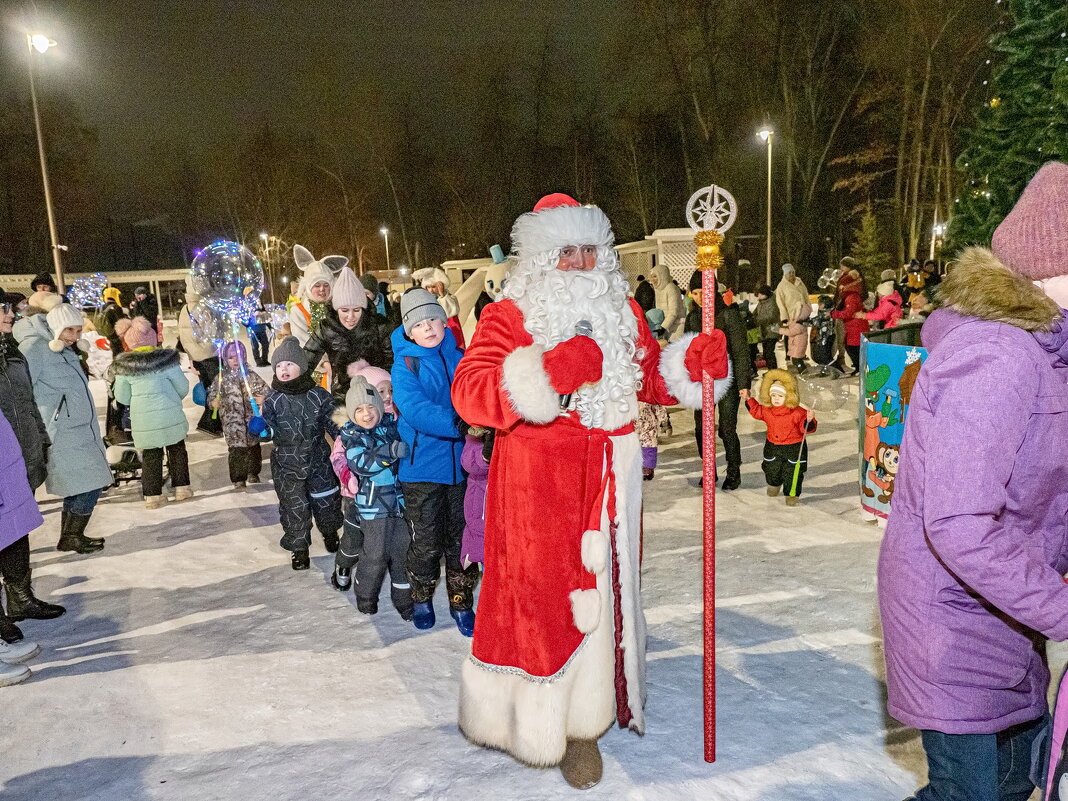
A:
(1033, 239)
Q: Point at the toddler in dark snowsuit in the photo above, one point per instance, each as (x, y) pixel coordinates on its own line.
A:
(779, 407)
(376, 534)
(297, 414)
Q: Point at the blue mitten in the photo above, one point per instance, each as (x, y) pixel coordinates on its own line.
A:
(200, 395)
(257, 425)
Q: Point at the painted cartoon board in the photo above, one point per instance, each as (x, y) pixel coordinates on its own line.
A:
(890, 373)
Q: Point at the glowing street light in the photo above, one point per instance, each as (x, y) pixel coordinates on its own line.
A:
(766, 134)
(385, 235)
(42, 44)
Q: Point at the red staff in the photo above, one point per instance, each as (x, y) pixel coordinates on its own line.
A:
(710, 212)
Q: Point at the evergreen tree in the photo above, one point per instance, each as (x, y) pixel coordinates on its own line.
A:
(1022, 126)
(868, 251)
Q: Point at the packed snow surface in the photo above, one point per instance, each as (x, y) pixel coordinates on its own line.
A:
(193, 663)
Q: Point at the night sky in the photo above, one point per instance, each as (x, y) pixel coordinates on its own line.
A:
(152, 75)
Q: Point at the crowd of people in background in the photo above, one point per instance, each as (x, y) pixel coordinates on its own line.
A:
(353, 367)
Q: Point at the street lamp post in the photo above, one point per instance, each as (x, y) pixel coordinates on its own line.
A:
(42, 44)
(767, 135)
(385, 235)
(267, 261)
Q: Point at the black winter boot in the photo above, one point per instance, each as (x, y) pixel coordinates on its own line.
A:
(461, 586)
(23, 604)
(9, 632)
(300, 560)
(72, 536)
(330, 540)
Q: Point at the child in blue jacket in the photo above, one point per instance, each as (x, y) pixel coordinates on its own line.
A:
(425, 359)
(376, 535)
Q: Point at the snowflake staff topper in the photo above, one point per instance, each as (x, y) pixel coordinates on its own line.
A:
(711, 209)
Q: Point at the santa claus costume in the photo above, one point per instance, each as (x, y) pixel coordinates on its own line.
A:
(559, 647)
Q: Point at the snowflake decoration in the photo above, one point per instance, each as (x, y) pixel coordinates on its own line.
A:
(711, 209)
(912, 356)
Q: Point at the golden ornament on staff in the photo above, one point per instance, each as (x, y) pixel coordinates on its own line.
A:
(708, 255)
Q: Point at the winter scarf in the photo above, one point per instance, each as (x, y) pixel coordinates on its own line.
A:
(296, 386)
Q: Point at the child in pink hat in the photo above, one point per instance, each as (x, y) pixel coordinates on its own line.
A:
(377, 378)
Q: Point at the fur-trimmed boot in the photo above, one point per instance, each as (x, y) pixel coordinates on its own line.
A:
(72, 535)
(581, 766)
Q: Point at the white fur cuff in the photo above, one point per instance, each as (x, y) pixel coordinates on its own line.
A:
(527, 384)
(677, 377)
(594, 551)
(586, 609)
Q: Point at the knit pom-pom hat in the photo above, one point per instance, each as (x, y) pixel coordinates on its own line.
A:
(361, 393)
(62, 316)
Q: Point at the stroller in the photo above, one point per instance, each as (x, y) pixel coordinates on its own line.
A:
(124, 462)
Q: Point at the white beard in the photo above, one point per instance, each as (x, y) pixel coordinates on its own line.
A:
(553, 302)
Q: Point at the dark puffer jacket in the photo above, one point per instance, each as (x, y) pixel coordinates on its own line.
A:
(729, 321)
(18, 406)
(368, 341)
(298, 414)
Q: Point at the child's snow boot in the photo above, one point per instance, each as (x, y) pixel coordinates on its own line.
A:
(253, 478)
(153, 502)
(331, 541)
(773, 491)
(465, 621)
(341, 578)
(423, 615)
(792, 500)
(301, 560)
(369, 606)
(239, 486)
(182, 494)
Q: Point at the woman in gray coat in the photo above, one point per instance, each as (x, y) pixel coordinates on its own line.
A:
(77, 469)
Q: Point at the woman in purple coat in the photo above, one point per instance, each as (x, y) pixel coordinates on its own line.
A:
(971, 569)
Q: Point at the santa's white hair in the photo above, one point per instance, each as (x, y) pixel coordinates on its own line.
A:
(553, 301)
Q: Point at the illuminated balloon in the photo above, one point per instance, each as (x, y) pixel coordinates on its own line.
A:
(823, 283)
(229, 278)
(208, 326)
(88, 292)
(279, 315)
(836, 274)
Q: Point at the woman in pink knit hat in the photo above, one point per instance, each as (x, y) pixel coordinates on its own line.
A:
(971, 570)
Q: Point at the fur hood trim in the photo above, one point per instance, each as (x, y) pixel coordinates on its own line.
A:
(979, 285)
(793, 400)
(143, 362)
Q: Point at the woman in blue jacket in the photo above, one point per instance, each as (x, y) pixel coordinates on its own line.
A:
(425, 359)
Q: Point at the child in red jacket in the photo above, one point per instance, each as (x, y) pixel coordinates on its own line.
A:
(780, 409)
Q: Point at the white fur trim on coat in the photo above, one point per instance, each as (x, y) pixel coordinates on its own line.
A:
(527, 384)
(561, 226)
(585, 609)
(677, 378)
(594, 551)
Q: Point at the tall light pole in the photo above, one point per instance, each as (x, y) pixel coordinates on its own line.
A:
(385, 235)
(42, 44)
(267, 261)
(767, 134)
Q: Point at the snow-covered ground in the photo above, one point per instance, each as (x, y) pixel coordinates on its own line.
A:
(193, 663)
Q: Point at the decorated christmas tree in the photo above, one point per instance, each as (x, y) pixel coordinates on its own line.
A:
(1023, 124)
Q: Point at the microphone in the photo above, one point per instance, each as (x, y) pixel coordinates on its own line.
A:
(582, 329)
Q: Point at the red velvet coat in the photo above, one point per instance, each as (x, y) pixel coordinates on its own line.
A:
(854, 329)
(544, 493)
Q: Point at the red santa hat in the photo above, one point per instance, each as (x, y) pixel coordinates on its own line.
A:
(558, 221)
